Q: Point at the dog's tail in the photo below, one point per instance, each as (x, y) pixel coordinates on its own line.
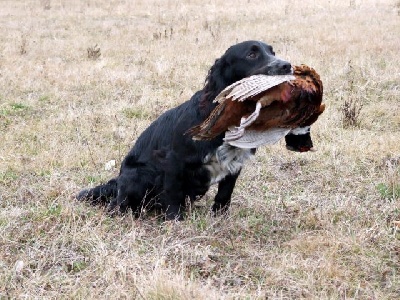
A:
(101, 194)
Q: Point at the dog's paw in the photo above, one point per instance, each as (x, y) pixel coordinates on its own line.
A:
(84, 195)
(219, 210)
(173, 213)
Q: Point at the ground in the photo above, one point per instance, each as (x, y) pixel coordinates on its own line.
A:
(80, 80)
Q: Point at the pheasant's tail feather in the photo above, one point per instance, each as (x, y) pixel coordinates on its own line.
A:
(194, 131)
(204, 130)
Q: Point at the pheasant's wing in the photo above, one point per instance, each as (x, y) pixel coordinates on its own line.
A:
(231, 109)
(251, 86)
(253, 139)
(257, 85)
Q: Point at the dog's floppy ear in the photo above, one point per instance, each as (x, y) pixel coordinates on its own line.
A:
(215, 80)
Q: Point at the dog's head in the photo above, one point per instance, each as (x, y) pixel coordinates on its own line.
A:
(251, 58)
(243, 60)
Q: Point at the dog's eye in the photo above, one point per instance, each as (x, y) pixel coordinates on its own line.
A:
(252, 55)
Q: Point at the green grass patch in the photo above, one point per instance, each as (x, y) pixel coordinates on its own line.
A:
(8, 176)
(90, 179)
(387, 191)
(135, 113)
(44, 99)
(199, 219)
(54, 210)
(76, 266)
(14, 109)
(43, 213)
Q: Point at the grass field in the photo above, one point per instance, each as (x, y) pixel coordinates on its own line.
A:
(80, 80)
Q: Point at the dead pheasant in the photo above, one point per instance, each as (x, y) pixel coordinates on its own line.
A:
(262, 109)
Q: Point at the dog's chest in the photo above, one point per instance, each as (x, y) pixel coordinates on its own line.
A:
(225, 160)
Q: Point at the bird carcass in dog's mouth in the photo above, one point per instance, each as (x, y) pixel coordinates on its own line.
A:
(261, 109)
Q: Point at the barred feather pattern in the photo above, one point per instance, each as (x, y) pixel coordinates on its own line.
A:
(251, 86)
(254, 139)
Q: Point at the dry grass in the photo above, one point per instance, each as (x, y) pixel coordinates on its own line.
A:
(316, 226)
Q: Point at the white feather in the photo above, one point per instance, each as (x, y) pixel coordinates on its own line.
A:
(300, 130)
(254, 139)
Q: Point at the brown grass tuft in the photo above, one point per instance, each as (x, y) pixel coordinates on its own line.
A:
(94, 52)
(23, 45)
(351, 109)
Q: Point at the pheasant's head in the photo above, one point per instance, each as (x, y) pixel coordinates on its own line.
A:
(299, 140)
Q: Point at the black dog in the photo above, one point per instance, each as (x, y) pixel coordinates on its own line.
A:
(165, 167)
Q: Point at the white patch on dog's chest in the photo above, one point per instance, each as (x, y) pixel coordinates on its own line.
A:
(225, 160)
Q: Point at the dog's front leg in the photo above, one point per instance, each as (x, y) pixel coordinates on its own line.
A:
(222, 200)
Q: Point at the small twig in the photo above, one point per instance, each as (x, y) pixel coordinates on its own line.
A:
(139, 292)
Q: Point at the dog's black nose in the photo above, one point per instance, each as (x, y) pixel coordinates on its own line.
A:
(286, 67)
(279, 67)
